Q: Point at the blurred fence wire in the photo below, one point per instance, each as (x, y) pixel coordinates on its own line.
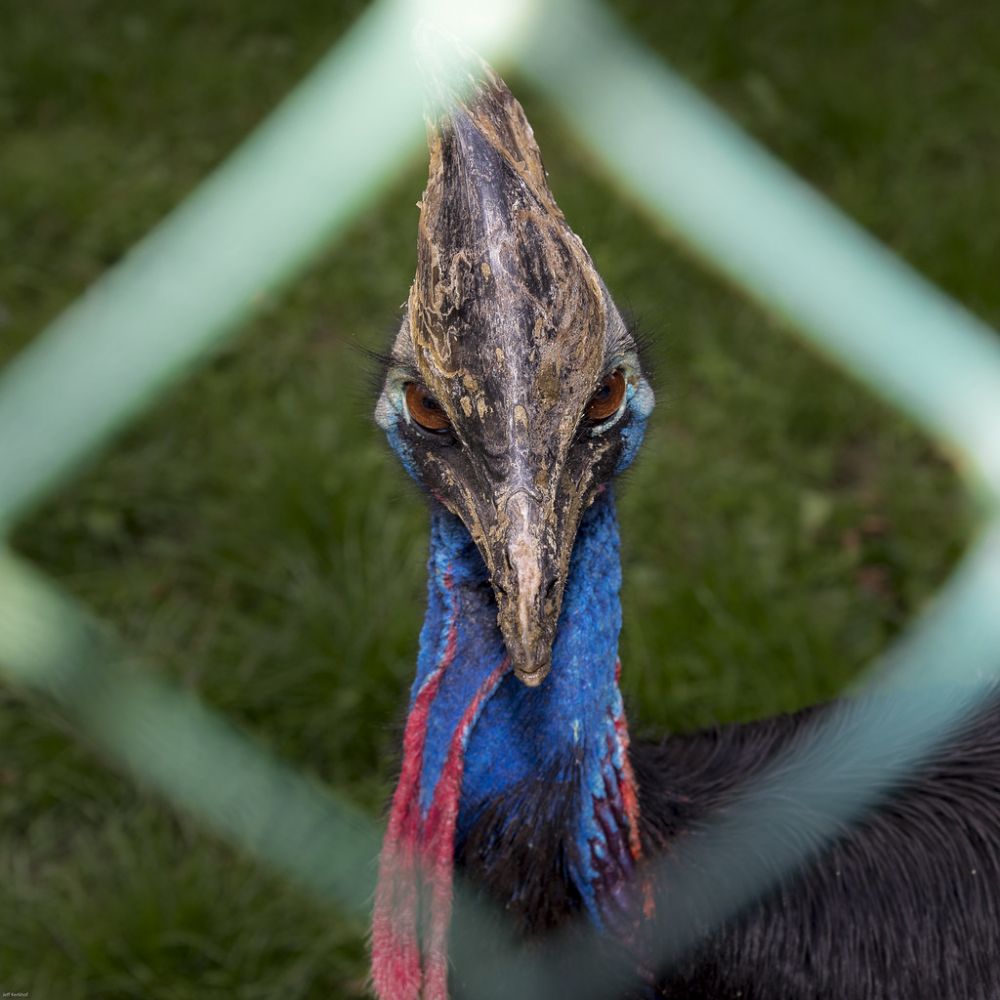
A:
(290, 189)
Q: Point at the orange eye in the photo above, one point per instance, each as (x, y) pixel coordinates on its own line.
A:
(425, 409)
(605, 402)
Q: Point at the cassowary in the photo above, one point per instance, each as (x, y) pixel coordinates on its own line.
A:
(514, 394)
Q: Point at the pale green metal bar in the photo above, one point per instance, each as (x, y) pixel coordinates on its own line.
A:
(915, 697)
(767, 231)
(835, 771)
(698, 175)
(701, 177)
(175, 745)
(293, 185)
(172, 743)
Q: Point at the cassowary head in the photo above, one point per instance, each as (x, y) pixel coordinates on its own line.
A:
(514, 390)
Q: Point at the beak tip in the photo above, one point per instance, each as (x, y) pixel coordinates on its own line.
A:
(532, 675)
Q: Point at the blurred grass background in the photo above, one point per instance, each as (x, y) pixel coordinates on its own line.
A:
(254, 541)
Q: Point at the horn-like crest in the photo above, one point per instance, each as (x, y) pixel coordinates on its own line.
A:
(498, 268)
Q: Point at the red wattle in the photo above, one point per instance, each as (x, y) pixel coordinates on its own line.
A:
(396, 971)
(413, 897)
(396, 965)
(438, 841)
(630, 802)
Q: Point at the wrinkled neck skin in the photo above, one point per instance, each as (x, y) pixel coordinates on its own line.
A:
(480, 746)
(570, 730)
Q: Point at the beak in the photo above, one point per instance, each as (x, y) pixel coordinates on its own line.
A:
(527, 573)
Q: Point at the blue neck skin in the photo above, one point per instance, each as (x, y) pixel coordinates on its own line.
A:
(562, 731)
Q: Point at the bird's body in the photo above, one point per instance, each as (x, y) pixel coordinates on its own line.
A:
(514, 394)
(902, 905)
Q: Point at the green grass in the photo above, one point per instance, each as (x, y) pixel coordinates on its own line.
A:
(253, 540)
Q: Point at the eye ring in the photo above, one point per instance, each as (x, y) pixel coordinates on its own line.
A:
(424, 410)
(607, 398)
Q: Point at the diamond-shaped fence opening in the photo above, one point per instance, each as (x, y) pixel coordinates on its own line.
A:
(324, 153)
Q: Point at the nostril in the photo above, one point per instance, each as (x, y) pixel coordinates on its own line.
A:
(550, 587)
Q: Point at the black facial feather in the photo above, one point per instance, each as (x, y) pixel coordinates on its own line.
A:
(644, 343)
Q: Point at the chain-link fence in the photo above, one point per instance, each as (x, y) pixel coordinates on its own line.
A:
(292, 188)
